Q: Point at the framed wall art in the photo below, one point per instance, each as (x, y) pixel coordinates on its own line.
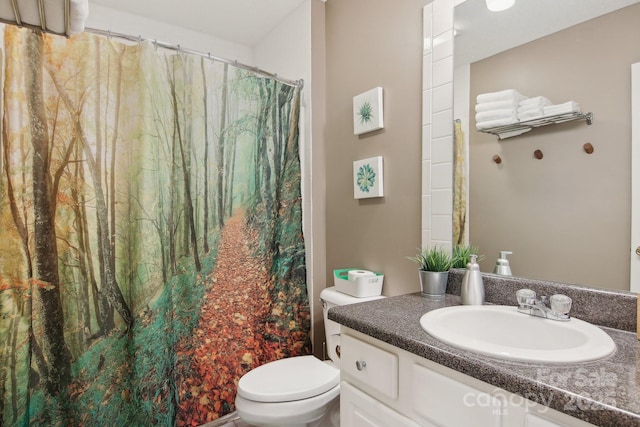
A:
(368, 111)
(368, 178)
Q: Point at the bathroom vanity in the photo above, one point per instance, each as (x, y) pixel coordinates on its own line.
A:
(395, 374)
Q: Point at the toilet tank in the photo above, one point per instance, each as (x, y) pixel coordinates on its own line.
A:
(331, 297)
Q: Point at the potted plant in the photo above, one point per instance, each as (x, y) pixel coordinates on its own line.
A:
(461, 255)
(434, 264)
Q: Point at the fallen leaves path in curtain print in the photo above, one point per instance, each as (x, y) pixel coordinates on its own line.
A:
(228, 341)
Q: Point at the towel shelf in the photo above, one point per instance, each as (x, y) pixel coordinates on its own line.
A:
(508, 131)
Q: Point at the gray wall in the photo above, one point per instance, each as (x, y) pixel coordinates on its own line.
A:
(374, 43)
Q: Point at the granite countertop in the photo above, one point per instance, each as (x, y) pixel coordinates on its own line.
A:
(603, 392)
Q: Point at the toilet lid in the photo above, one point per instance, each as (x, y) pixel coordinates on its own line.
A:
(289, 379)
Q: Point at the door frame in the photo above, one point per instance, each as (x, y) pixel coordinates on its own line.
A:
(634, 280)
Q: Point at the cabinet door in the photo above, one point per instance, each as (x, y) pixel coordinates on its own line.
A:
(536, 421)
(358, 409)
(450, 403)
(533, 420)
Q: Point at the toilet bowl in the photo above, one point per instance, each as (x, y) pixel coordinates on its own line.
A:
(297, 391)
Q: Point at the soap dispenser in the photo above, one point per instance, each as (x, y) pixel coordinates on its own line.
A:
(502, 264)
(472, 286)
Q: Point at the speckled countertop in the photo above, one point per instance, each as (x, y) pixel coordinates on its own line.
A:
(604, 392)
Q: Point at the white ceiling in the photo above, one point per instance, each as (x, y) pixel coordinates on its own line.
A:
(241, 21)
(481, 33)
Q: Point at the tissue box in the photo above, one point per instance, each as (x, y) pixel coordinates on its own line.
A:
(361, 287)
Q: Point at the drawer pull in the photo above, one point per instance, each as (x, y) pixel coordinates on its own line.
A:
(360, 365)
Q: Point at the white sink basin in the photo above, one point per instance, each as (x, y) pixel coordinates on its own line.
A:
(501, 331)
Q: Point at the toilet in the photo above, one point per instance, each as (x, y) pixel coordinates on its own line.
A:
(298, 391)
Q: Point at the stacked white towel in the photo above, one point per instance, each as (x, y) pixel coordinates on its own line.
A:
(497, 108)
(565, 108)
(532, 108)
(54, 14)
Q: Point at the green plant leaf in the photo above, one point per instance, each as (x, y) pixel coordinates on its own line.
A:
(432, 259)
(462, 255)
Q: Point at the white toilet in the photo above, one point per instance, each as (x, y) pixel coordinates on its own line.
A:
(298, 391)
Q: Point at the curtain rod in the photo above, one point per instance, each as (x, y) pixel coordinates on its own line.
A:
(178, 48)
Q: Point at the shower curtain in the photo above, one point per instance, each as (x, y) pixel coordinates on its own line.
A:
(151, 247)
(459, 186)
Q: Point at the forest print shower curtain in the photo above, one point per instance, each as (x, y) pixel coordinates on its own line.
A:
(151, 247)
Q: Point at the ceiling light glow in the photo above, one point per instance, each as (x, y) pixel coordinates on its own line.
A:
(499, 5)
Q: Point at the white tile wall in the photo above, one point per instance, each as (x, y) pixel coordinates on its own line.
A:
(442, 98)
(441, 150)
(426, 107)
(441, 202)
(442, 16)
(440, 173)
(437, 121)
(442, 45)
(426, 142)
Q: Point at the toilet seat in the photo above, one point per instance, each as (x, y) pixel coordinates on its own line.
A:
(285, 380)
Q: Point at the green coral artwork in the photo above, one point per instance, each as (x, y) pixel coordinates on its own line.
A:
(368, 111)
(365, 113)
(368, 178)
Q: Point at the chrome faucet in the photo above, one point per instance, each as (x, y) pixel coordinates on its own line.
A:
(555, 308)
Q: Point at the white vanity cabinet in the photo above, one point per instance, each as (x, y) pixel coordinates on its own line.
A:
(375, 370)
(384, 386)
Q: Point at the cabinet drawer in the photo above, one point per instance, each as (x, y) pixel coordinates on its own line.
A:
(370, 366)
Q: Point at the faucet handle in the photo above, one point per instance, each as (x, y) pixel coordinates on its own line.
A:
(560, 304)
(525, 297)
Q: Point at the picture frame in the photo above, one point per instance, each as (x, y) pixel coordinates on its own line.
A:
(368, 178)
(368, 111)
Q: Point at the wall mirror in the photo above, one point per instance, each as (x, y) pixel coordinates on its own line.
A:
(566, 217)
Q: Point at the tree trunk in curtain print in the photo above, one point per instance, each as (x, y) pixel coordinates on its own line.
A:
(105, 310)
(110, 286)
(47, 281)
(205, 160)
(152, 249)
(190, 227)
(221, 141)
